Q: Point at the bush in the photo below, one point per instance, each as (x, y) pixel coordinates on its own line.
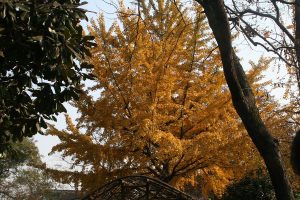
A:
(256, 186)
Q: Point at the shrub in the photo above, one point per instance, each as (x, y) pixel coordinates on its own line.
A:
(254, 186)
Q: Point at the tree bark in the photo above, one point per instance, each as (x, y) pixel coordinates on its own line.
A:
(244, 100)
(297, 40)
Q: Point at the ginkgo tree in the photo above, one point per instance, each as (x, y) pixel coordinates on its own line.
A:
(160, 106)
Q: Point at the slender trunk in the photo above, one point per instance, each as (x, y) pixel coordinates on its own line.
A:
(297, 40)
(244, 100)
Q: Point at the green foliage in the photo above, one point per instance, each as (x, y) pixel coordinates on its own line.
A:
(19, 153)
(19, 177)
(40, 43)
(297, 195)
(28, 184)
(252, 187)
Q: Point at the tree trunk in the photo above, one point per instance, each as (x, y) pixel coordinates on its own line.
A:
(297, 40)
(244, 100)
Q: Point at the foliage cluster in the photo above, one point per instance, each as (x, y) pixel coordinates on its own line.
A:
(255, 186)
(20, 177)
(160, 106)
(40, 43)
(162, 109)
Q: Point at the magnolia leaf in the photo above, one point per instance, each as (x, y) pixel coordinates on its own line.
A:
(37, 38)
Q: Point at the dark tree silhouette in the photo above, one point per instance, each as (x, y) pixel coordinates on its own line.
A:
(40, 43)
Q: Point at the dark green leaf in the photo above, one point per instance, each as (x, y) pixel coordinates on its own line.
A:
(37, 38)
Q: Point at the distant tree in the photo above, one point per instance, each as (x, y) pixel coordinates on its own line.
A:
(27, 184)
(21, 177)
(18, 154)
(40, 43)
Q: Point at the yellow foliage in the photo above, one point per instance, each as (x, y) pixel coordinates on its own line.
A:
(162, 108)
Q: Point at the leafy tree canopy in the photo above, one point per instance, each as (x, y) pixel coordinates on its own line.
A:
(40, 43)
(164, 108)
(19, 176)
(24, 153)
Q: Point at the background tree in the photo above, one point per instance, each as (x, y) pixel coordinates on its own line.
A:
(40, 41)
(20, 178)
(24, 153)
(273, 26)
(163, 108)
(244, 99)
